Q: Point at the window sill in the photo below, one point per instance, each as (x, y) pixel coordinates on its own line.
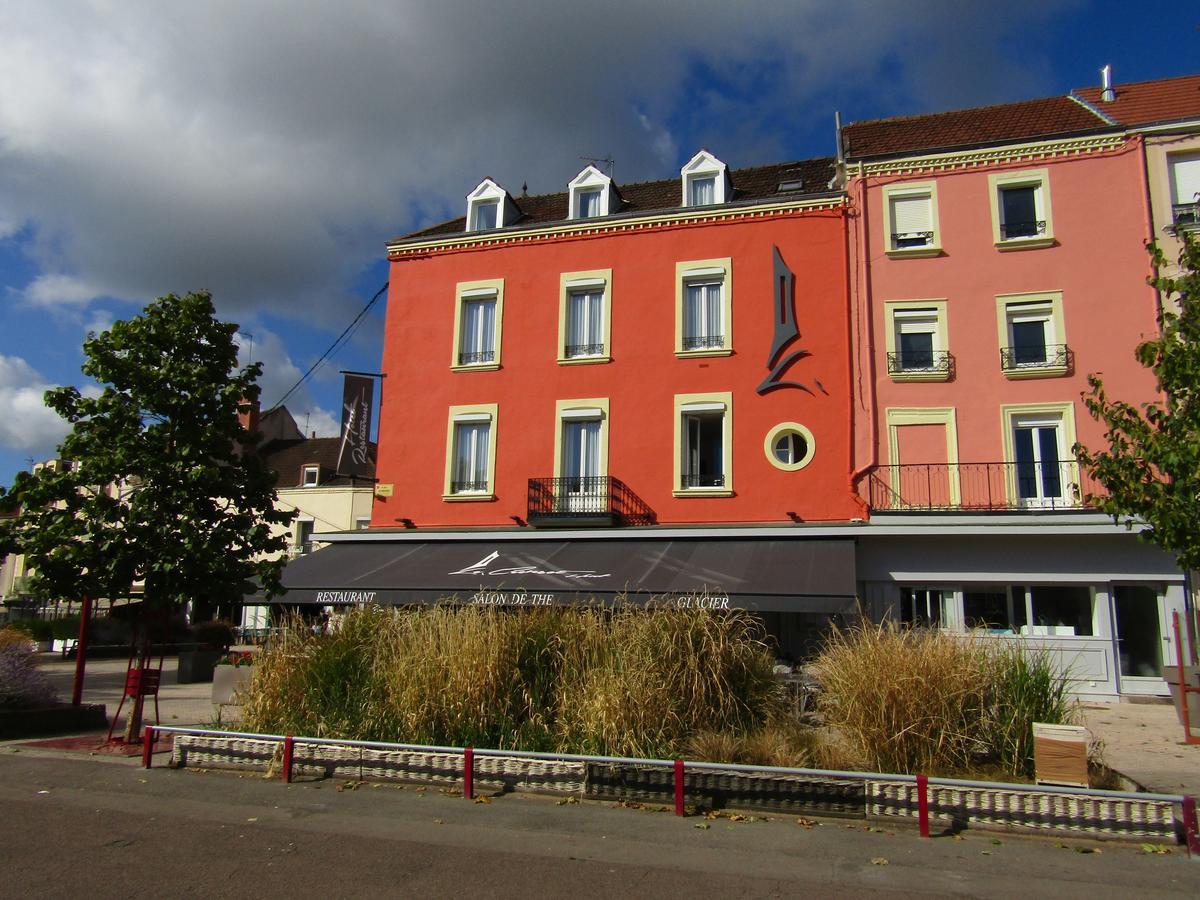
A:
(913, 252)
(583, 360)
(703, 492)
(1036, 372)
(689, 354)
(467, 498)
(476, 367)
(1030, 243)
(919, 376)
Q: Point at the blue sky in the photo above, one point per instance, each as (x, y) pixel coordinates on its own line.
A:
(266, 151)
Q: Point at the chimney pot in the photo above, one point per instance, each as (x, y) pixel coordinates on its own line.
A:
(1107, 94)
(248, 415)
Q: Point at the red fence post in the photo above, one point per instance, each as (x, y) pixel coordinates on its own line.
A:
(679, 787)
(469, 773)
(147, 746)
(923, 804)
(287, 759)
(1191, 830)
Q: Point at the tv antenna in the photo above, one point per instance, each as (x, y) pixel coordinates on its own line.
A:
(247, 334)
(607, 161)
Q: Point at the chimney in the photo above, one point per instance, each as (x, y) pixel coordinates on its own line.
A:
(248, 415)
(1107, 94)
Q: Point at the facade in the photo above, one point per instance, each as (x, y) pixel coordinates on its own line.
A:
(801, 389)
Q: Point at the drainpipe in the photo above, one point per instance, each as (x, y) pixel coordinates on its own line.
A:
(862, 303)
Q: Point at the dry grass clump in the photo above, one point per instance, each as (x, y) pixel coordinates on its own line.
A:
(625, 681)
(782, 741)
(917, 700)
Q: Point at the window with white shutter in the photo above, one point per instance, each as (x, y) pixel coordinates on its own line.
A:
(1185, 191)
(910, 220)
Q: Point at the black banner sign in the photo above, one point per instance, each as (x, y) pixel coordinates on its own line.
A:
(354, 456)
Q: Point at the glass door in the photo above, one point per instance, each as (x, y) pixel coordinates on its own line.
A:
(1143, 629)
(1038, 463)
(582, 486)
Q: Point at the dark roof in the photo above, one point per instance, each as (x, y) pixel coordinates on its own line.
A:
(757, 183)
(1024, 120)
(1146, 102)
(288, 458)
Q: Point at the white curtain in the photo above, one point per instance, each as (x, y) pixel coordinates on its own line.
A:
(479, 325)
(581, 449)
(585, 319)
(589, 204)
(703, 191)
(702, 314)
(471, 452)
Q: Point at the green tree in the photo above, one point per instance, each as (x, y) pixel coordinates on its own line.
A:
(1151, 469)
(163, 484)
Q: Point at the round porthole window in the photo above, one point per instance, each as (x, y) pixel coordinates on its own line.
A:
(789, 446)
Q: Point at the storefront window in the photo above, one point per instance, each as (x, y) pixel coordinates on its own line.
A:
(1061, 609)
(991, 607)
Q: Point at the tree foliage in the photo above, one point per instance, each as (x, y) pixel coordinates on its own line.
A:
(163, 485)
(1151, 470)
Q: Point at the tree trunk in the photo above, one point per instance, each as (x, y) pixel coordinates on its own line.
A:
(133, 726)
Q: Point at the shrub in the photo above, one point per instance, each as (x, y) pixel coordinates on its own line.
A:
(37, 629)
(625, 681)
(916, 700)
(65, 628)
(21, 684)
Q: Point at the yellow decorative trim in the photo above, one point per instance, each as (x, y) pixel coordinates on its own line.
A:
(1039, 178)
(684, 270)
(944, 416)
(602, 275)
(610, 225)
(492, 410)
(562, 406)
(1052, 299)
(774, 434)
(463, 287)
(985, 156)
(681, 400)
(941, 342)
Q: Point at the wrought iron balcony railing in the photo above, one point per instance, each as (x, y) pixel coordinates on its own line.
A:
(574, 350)
(1049, 356)
(924, 487)
(694, 480)
(596, 500)
(1010, 230)
(1185, 214)
(907, 239)
(928, 362)
(476, 356)
(468, 487)
(704, 342)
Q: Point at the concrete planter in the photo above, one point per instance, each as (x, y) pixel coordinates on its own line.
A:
(197, 665)
(227, 681)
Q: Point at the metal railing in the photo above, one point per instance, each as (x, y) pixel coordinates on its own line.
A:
(574, 350)
(704, 342)
(940, 362)
(468, 487)
(1186, 214)
(475, 357)
(981, 486)
(1010, 230)
(601, 499)
(1048, 356)
(906, 239)
(693, 480)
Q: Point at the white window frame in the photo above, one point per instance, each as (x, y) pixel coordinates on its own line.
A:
(485, 194)
(475, 414)
(1185, 219)
(709, 404)
(310, 471)
(891, 194)
(704, 271)
(362, 523)
(589, 409)
(1039, 180)
(705, 165)
(590, 179)
(467, 291)
(896, 313)
(785, 429)
(299, 544)
(1045, 306)
(596, 280)
(1062, 417)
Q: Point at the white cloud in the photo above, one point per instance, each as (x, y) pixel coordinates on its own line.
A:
(26, 423)
(55, 290)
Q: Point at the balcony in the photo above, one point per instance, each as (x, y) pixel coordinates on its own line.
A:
(928, 365)
(987, 486)
(1186, 215)
(1044, 359)
(594, 500)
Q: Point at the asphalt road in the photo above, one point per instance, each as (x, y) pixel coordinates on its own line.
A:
(98, 827)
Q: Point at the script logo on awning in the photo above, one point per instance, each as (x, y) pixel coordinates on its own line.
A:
(482, 568)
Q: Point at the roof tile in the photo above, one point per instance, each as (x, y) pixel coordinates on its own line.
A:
(1147, 102)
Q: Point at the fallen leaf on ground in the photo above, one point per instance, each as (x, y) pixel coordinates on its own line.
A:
(879, 861)
(703, 826)
(1156, 849)
(805, 823)
(483, 799)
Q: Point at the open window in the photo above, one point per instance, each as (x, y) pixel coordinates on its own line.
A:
(1185, 190)
(703, 444)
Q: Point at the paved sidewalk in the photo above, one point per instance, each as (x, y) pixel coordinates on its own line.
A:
(1144, 742)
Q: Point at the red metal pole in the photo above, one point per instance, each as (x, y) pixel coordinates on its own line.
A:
(923, 804)
(1191, 831)
(147, 746)
(287, 759)
(469, 773)
(679, 787)
(81, 651)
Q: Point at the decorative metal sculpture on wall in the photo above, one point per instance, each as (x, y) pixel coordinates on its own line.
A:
(786, 332)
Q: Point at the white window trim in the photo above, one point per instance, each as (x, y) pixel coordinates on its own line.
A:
(705, 165)
(1035, 178)
(1051, 301)
(587, 409)
(941, 343)
(1173, 198)
(307, 470)
(478, 412)
(488, 191)
(899, 191)
(590, 179)
(698, 270)
(690, 404)
(778, 431)
(466, 290)
(1062, 414)
(574, 281)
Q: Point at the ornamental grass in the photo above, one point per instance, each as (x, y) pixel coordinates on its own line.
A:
(626, 681)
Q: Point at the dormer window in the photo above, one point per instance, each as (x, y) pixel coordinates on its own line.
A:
(310, 476)
(591, 194)
(705, 180)
(489, 206)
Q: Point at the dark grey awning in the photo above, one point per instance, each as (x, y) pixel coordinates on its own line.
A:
(762, 574)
